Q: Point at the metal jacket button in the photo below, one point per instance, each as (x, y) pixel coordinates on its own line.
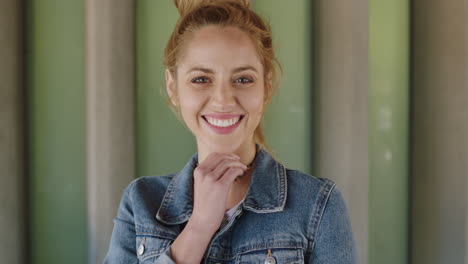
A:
(141, 247)
(270, 259)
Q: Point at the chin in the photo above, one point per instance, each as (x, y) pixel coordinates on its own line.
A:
(224, 147)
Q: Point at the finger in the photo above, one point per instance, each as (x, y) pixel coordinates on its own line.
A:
(214, 159)
(231, 174)
(226, 164)
(210, 163)
(208, 159)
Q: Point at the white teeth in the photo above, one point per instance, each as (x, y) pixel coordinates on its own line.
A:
(222, 123)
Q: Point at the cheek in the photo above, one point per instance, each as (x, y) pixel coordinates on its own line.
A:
(189, 109)
(190, 102)
(256, 103)
(255, 108)
(259, 107)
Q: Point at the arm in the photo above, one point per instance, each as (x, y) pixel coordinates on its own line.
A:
(191, 244)
(122, 248)
(212, 180)
(334, 238)
(122, 243)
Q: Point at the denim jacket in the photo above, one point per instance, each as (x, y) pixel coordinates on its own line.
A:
(287, 217)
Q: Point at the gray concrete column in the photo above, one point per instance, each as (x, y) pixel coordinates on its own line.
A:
(13, 228)
(341, 105)
(110, 81)
(439, 132)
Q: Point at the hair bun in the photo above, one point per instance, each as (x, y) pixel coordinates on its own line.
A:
(185, 6)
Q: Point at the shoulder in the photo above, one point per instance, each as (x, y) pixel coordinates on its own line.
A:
(323, 193)
(142, 198)
(306, 184)
(148, 185)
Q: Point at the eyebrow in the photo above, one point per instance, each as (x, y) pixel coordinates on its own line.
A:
(207, 70)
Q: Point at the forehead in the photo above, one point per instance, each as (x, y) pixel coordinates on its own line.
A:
(221, 47)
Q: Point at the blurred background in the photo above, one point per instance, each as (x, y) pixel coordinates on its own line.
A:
(374, 97)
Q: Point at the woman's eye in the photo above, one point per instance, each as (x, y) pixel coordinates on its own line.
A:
(200, 80)
(243, 80)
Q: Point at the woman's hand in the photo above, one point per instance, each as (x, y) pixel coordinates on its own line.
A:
(212, 181)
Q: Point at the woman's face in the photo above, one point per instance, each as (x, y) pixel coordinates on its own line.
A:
(219, 88)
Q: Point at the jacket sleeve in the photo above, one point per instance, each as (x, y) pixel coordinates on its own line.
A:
(122, 247)
(334, 243)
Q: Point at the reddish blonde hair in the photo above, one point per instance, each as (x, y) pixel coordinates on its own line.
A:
(195, 14)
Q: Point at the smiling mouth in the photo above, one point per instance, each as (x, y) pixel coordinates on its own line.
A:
(223, 123)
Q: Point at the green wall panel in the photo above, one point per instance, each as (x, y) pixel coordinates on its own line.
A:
(287, 121)
(388, 145)
(57, 132)
(164, 145)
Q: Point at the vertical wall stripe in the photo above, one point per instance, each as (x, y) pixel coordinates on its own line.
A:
(57, 132)
(287, 121)
(439, 131)
(12, 156)
(341, 106)
(110, 96)
(388, 131)
(164, 145)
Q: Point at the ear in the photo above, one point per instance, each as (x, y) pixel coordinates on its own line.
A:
(269, 79)
(268, 86)
(170, 88)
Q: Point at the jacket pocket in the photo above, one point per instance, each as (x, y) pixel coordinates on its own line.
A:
(148, 247)
(272, 256)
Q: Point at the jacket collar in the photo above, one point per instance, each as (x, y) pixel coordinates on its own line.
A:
(267, 192)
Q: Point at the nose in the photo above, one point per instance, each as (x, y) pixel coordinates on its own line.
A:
(223, 97)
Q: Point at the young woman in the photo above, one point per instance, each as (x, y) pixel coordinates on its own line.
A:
(232, 202)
